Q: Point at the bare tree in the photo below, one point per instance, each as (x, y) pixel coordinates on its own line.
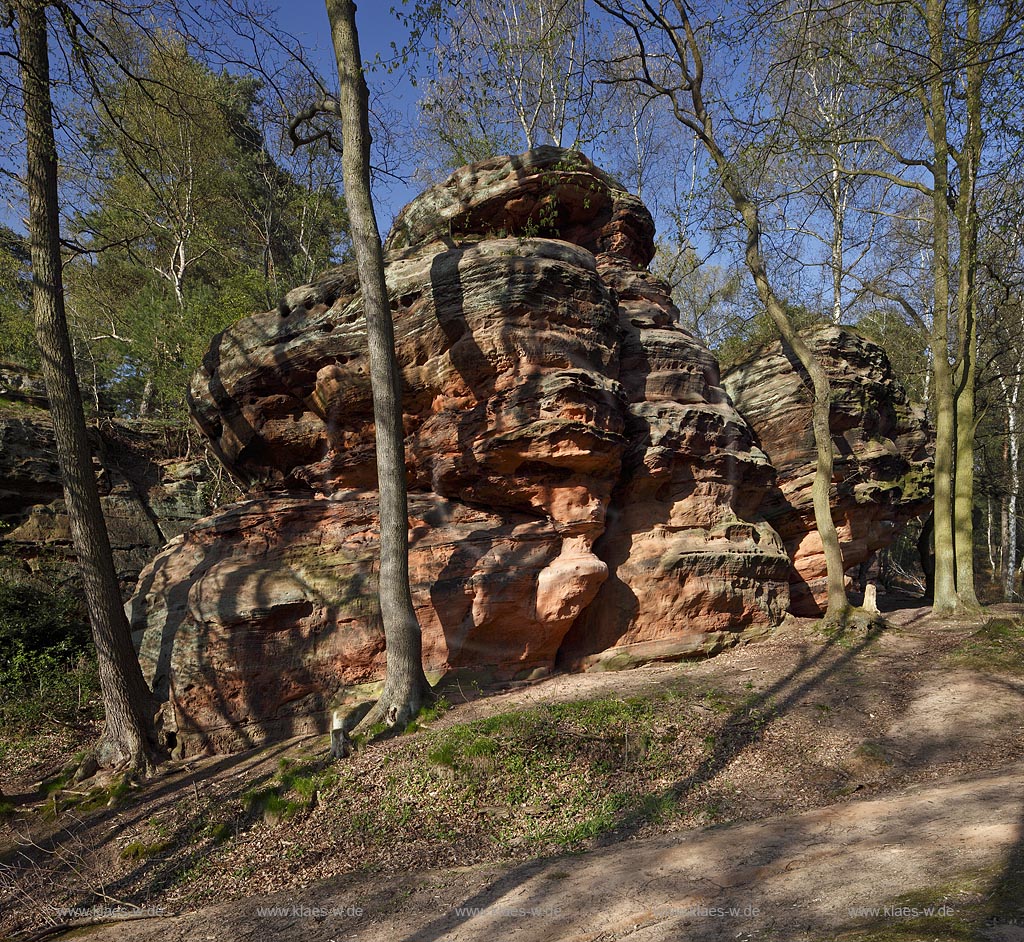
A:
(668, 60)
(127, 737)
(405, 684)
(943, 84)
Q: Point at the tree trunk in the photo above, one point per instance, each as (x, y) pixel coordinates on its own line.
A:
(989, 541)
(945, 597)
(1010, 547)
(148, 395)
(126, 739)
(700, 121)
(838, 605)
(405, 684)
(926, 553)
(969, 160)
(963, 485)
(838, 225)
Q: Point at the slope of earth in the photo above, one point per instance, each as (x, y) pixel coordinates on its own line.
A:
(813, 779)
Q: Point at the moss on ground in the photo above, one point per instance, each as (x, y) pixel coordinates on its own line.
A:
(998, 645)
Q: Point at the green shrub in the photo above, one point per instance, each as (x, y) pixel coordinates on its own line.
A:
(47, 660)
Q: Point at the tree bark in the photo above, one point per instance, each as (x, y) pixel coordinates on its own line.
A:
(405, 684)
(126, 740)
(1010, 507)
(969, 160)
(926, 553)
(682, 37)
(838, 606)
(945, 597)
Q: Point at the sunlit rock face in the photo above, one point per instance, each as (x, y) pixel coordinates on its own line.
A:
(583, 492)
(883, 453)
(262, 616)
(693, 567)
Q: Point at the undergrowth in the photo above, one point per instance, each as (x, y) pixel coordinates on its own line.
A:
(48, 673)
(998, 645)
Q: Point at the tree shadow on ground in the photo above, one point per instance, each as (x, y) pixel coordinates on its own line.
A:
(58, 858)
(781, 696)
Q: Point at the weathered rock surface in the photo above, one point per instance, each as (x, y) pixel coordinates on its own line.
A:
(548, 390)
(883, 466)
(583, 491)
(546, 192)
(271, 607)
(508, 350)
(146, 496)
(693, 566)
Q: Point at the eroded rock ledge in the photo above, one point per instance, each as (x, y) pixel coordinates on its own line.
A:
(583, 491)
(884, 464)
(149, 490)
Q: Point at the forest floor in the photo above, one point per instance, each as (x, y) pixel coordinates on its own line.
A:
(865, 786)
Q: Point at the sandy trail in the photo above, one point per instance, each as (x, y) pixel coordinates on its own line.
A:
(795, 877)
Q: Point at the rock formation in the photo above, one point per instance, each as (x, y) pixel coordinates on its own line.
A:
(147, 495)
(583, 492)
(548, 387)
(883, 465)
(692, 562)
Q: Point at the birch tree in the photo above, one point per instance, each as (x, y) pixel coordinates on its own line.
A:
(668, 59)
(936, 65)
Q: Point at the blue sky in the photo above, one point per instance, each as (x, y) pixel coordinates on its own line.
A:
(378, 29)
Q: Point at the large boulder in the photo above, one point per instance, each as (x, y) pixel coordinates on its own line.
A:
(509, 353)
(579, 480)
(693, 565)
(262, 617)
(149, 492)
(883, 452)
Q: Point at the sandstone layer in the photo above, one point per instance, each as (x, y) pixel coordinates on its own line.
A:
(692, 562)
(148, 494)
(262, 617)
(583, 491)
(560, 426)
(883, 466)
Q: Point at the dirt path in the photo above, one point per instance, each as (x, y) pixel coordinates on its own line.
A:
(881, 771)
(794, 877)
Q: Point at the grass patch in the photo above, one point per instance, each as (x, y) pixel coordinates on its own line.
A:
(220, 831)
(294, 789)
(997, 646)
(954, 911)
(138, 850)
(52, 786)
(429, 714)
(873, 752)
(306, 780)
(271, 805)
(553, 777)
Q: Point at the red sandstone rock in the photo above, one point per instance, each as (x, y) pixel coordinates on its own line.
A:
(546, 192)
(508, 352)
(693, 567)
(883, 465)
(582, 488)
(260, 618)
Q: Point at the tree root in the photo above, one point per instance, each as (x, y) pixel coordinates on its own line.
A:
(61, 928)
(394, 711)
